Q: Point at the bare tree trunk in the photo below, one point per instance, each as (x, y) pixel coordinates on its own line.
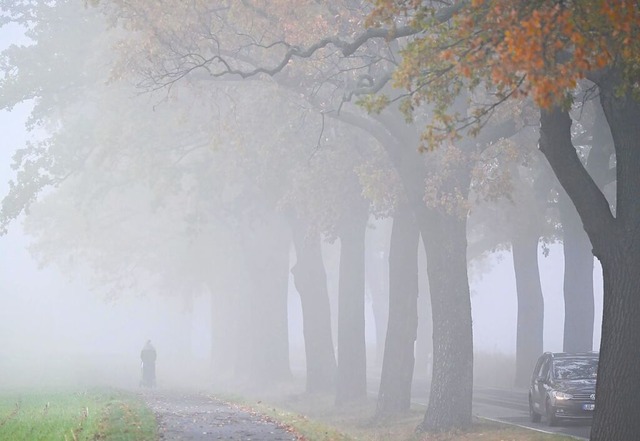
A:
(444, 238)
(530, 328)
(578, 281)
(616, 242)
(352, 358)
(578, 255)
(394, 395)
(617, 391)
(244, 330)
(311, 282)
(377, 276)
(424, 343)
(223, 342)
(618, 395)
(452, 380)
(266, 253)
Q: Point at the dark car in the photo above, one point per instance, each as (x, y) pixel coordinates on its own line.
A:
(563, 386)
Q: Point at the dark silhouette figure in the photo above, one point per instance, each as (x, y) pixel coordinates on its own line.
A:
(148, 356)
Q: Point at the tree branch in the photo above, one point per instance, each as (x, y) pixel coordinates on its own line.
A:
(593, 207)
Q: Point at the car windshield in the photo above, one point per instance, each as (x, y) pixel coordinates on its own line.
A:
(576, 368)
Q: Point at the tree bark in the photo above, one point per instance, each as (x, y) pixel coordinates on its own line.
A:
(618, 395)
(310, 280)
(424, 342)
(616, 242)
(377, 273)
(244, 330)
(352, 358)
(266, 253)
(444, 237)
(617, 390)
(394, 395)
(529, 336)
(578, 281)
(223, 342)
(578, 255)
(452, 380)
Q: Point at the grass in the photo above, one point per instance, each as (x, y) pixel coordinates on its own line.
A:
(105, 415)
(316, 418)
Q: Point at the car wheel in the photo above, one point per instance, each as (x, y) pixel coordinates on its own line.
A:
(552, 420)
(533, 415)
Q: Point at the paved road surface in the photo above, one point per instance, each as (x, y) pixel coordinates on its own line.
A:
(508, 406)
(511, 406)
(199, 417)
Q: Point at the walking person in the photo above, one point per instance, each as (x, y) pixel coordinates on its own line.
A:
(148, 357)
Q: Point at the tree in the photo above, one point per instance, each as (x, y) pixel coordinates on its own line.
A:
(516, 192)
(578, 261)
(200, 39)
(156, 172)
(377, 277)
(441, 215)
(231, 41)
(310, 279)
(544, 49)
(394, 395)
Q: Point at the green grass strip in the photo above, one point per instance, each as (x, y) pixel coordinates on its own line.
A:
(74, 416)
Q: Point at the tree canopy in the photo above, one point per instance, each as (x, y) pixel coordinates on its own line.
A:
(500, 49)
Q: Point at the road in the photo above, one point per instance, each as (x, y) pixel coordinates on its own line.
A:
(507, 406)
(186, 416)
(511, 407)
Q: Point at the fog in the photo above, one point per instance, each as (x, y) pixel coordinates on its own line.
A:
(203, 216)
(60, 332)
(60, 329)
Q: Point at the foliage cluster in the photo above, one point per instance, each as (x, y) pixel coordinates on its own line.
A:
(501, 49)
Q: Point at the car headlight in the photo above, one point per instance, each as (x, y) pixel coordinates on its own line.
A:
(561, 395)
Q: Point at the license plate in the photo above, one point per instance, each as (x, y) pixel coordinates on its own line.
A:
(588, 406)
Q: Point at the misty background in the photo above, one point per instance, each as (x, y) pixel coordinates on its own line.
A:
(57, 328)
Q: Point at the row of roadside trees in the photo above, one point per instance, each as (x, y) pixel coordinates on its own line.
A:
(263, 121)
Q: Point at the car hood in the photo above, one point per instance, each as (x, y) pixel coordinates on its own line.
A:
(576, 386)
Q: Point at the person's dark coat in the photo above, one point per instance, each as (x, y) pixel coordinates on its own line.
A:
(148, 357)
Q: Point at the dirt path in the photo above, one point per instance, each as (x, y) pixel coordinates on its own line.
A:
(198, 417)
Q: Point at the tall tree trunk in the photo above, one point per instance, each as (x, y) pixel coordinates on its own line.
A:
(444, 238)
(223, 342)
(352, 358)
(380, 307)
(223, 279)
(616, 243)
(578, 280)
(394, 395)
(529, 335)
(578, 255)
(617, 390)
(266, 252)
(310, 279)
(377, 276)
(244, 330)
(452, 380)
(424, 343)
(618, 394)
